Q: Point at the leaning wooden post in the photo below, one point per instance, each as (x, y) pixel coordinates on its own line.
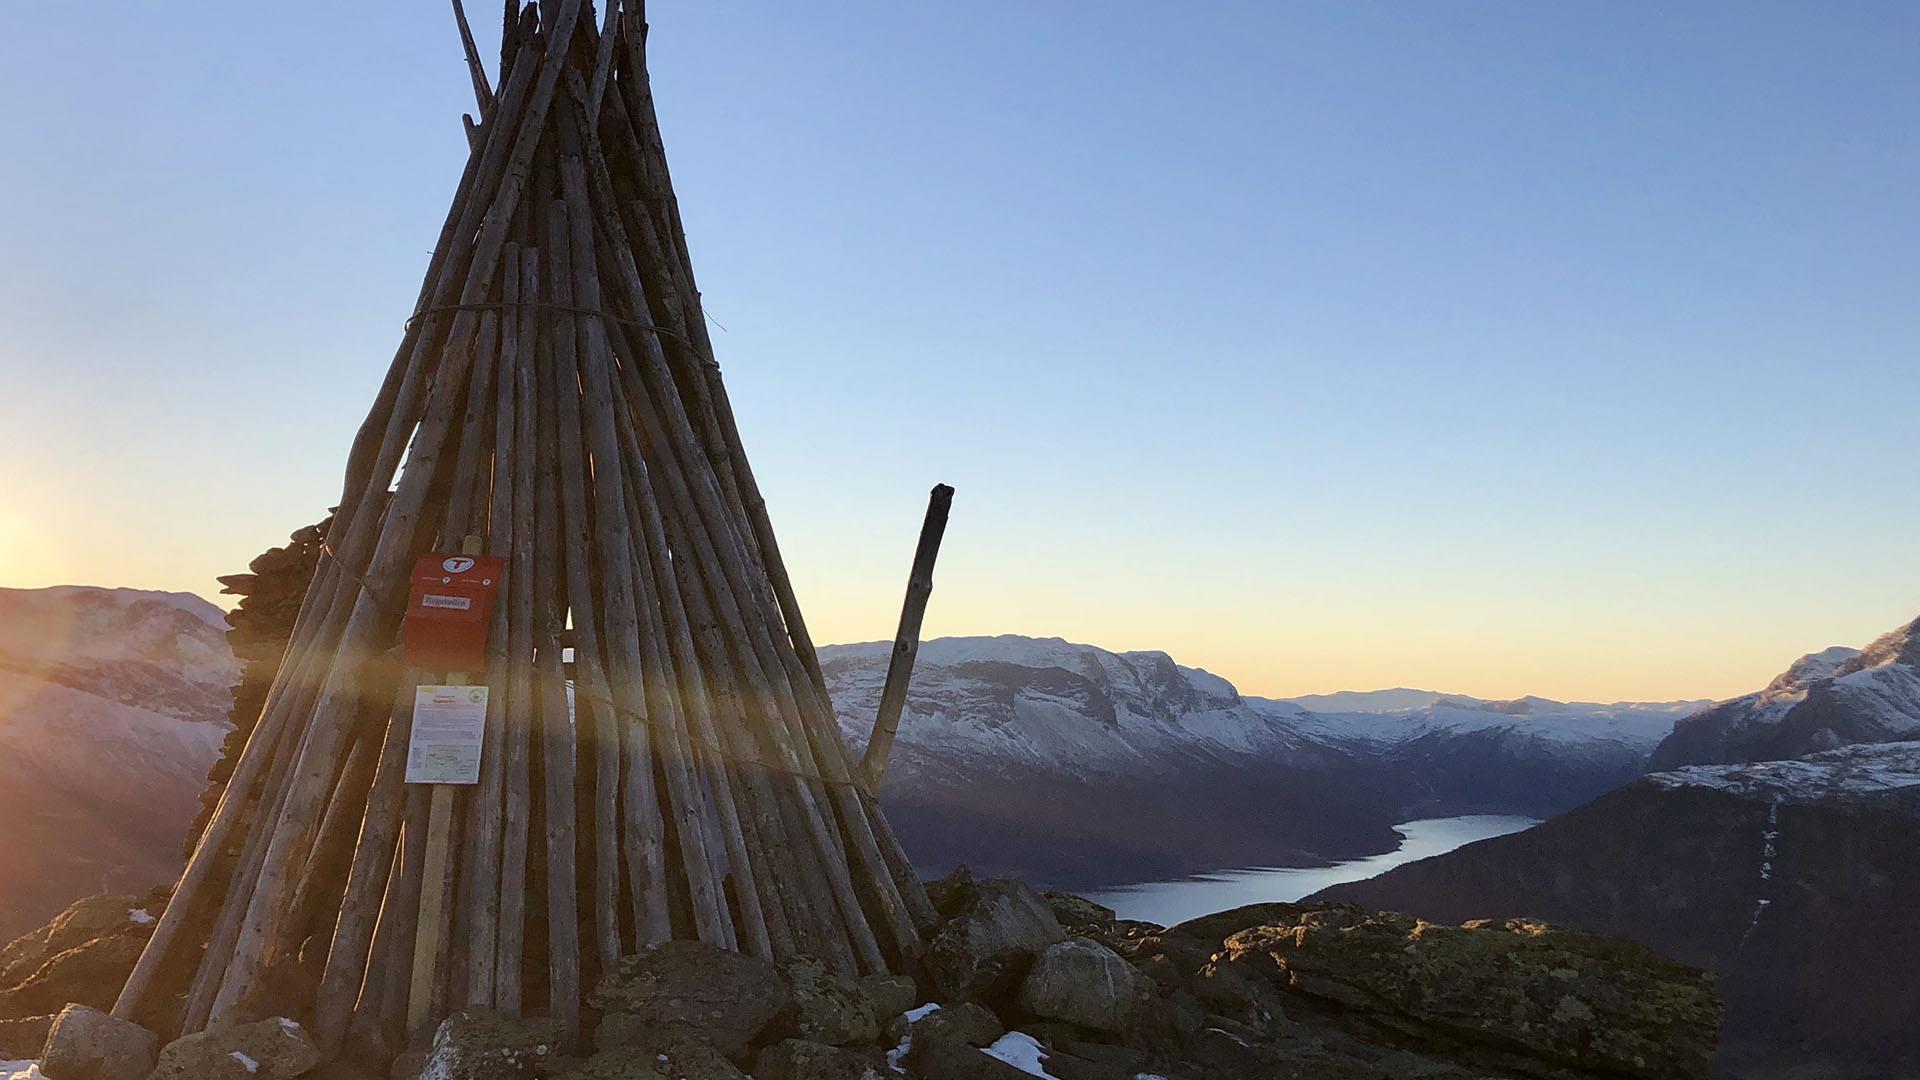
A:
(906, 642)
(431, 933)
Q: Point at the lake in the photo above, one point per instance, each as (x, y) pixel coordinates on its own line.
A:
(1169, 902)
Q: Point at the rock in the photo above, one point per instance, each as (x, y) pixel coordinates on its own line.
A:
(966, 1023)
(90, 973)
(891, 995)
(831, 1009)
(87, 1044)
(82, 922)
(952, 893)
(408, 1066)
(985, 949)
(797, 1059)
(24, 1037)
(693, 989)
(481, 1044)
(1083, 982)
(1518, 995)
(946, 1060)
(685, 1059)
(275, 1049)
(1074, 910)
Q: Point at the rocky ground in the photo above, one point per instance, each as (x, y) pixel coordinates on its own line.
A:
(1013, 983)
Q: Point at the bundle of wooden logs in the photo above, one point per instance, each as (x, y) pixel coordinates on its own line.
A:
(660, 757)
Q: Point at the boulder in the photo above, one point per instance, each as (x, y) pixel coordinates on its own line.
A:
(797, 1059)
(958, 1061)
(1083, 982)
(84, 921)
(481, 1044)
(275, 1049)
(951, 893)
(684, 1059)
(87, 1044)
(985, 949)
(830, 1009)
(24, 1037)
(891, 995)
(688, 988)
(1516, 995)
(966, 1022)
(1074, 910)
(90, 973)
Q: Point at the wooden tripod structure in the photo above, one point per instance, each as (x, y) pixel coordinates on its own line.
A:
(555, 395)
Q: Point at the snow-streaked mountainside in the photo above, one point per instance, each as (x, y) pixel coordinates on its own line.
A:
(113, 704)
(1830, 776)
(1833, 698)
(1076, 765)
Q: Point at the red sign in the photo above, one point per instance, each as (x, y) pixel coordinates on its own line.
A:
(449, 611)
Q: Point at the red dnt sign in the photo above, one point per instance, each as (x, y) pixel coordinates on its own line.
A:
(449, 611)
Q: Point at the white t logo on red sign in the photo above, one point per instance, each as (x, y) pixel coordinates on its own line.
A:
(459, 564)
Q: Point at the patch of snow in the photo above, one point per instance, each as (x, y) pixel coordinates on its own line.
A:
(1858, 770)
(922, 1012)
(139, 916)
(246, 1062)
(21, 1070)
(1022, 1051)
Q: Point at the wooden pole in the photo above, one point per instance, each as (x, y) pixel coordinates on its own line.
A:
(431, 934)
(906, 640)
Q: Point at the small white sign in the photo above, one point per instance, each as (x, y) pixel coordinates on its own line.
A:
(449, 724)
(454, 603)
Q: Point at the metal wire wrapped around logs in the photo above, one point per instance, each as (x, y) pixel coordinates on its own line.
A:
(556, 395)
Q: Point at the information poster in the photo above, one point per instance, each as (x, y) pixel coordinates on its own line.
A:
(449, 726)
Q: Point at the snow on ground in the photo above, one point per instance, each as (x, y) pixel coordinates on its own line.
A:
(1863, 769)
(1022, 1051)
(21, 1070)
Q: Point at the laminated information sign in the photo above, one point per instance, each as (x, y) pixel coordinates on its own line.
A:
(449, 724)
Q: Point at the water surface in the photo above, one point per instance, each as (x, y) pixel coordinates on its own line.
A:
(1169, 902)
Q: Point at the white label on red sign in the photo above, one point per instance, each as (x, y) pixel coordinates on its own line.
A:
(455, 603)
(449, 725)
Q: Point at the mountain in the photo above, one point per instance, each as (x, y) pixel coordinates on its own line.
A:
(1077, 767)
(1789, 878)
(113, 703)
(1827, 699)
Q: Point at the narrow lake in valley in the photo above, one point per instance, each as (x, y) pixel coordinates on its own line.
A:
(1169, 902)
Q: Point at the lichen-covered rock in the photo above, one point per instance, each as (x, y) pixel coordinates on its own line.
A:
(481, 1044)
(798, 1059)
(1517, 995)
(685, 1059)
(1074, 910)
(1083, 982)
(987, 946)
(830, 1009)
(965, 1022)
(275, 1049)
(688, 988)
(87, 1044)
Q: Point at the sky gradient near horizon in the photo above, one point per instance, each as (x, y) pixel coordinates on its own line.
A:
(1490, 347)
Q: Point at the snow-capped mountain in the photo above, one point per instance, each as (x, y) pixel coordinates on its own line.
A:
(1075, 765)
(1828, 699)
(113, 703)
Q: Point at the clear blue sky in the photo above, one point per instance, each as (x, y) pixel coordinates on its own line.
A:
(1569, 348)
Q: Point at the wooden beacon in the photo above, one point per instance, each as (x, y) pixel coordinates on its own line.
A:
(556, 396)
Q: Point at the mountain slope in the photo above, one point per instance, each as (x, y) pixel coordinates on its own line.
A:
(1789, 878)
(112, 705)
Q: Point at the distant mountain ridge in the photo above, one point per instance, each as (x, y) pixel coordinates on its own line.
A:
(1078, 766)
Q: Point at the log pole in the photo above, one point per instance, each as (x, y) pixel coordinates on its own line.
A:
(906, 641)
